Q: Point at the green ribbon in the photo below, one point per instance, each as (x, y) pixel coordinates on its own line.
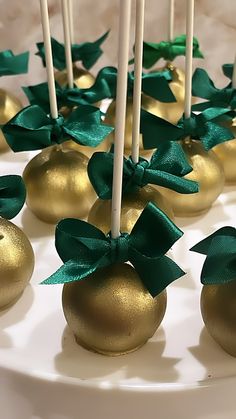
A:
(70, 97)
(169, 50)
(33, 129)
(88, 52)
(12, 195)
(154, 84)
(220, 250)
(11, 64)
(204, 88)
(166, 168)
(228, 70)
(85, 249)
(203, 127)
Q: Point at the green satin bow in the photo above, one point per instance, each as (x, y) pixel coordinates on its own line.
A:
(33, 129)
(12, 195)
(204, 87)
(203, 127)
(220, 250)
(88, 52)
(169, 50)
(228, 70)
(153, 84)
(70, 97)
(166, 168)
(11, 64)
(85, 249)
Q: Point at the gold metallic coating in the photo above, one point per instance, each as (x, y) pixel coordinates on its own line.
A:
(207, 171)
(82, 78)
(9, 107)
(170, 111)
(111, 312)
(132, 206)
(226, 152)
(218, 307)
(58, 185)
(16, 262)
(88, 151)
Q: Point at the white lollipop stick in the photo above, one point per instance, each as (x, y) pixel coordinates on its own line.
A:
(123, 57)
(71, 18)
(171, 20)
(66, 29)
(48, 58)
(189, 58)
(138, 66)
(234, 75)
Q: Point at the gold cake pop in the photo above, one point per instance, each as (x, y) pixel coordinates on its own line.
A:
(132, 206)
(9, 107)
(16, 262)
(226, 153)
(123, 316)
(82, 78)
(58, 185)
(207, 171)
(218, 307)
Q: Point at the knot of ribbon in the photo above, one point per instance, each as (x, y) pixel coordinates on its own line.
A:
(166, 168)
(88, 52)
(168, 50)
(11, 64)
(33, 129)
(204, 88)
(204, 127)
(84, 249)
(220, 263)
(12, 195)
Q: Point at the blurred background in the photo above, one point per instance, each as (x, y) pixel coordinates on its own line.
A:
(20, 29)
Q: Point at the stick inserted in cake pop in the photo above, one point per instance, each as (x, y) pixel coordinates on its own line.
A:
(138, 65)
(122, 79)
(171, 20)
(48, 58)
(67, 41)
(71, 19)
(189, 57)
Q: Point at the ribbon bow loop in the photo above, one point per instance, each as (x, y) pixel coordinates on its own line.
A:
(11, 64)
(12, 195)
(85, 249)
(220, 264)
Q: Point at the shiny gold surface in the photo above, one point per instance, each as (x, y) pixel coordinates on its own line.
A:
(172, 112)
(226, 152)
(88, 151)
(132, 206)
(58, 185)
(9, 107)
(16, 262)
(218, 307)
(82, 78)
(208, 172)
(111, 312)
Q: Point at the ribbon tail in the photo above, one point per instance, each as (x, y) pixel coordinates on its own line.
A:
(12, 195)
(176, 183)
(71, 271)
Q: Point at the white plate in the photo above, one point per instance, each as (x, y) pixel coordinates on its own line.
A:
(181, 373)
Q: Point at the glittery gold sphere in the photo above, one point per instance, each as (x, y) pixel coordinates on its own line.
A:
(88, 151)
(82, 78)
(226, 153)
(111, 312)
(58, 186)
(218, 307)
(172, 112)
(208, 172)
(132, 206)
(16, 262)
(9, 107)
